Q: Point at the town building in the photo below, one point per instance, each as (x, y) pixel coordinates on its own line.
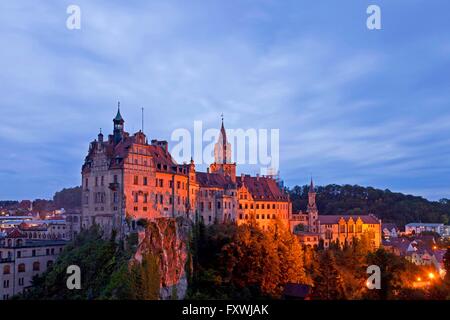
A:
(418, 227)
(125, 178)
(22, 258)
(338, 229)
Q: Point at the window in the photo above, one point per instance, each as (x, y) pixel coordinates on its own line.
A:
(136, 197)
(145, 181)
(342, 228)
(161, 183)
(161, 198)
(36, 266)
(21, 267)
(49, 263)
(115, 199)
(178, 184)
(262, 206)
(6, 270)
(102, 181)
(96, 181)
(33, 253)
(20, 281)
(86, 183)
(115, 178)
(145, 198)
(136, 180)
(350, 228)
(5, 283)
(202, 206)
(19, 254)
(240, 205)
(218, 205)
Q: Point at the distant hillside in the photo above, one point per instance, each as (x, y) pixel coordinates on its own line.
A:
(68, 198)
(389, 206)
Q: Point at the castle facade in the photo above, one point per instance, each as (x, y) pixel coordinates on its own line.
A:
(125, 178)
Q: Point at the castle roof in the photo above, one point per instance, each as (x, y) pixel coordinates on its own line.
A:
(262, 188)
(334, 219)
(214, 180)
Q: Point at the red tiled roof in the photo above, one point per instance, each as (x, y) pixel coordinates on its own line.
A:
(332, 219)
(15, 233)
(214, 180)
(262, 188)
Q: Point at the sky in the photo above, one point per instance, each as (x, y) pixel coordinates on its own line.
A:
(352, 105)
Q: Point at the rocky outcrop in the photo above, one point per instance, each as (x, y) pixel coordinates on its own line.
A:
(167, 239)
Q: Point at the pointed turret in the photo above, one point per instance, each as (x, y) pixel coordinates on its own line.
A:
(118, 125)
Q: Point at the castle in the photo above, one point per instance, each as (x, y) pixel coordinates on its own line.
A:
(125, 178)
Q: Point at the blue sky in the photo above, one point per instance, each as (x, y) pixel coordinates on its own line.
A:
(352, 105)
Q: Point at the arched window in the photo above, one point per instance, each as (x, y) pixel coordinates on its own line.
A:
(36, 266)
(6, 270)
(49, 263)
(9, 242)
(21, 267)
(19, 242)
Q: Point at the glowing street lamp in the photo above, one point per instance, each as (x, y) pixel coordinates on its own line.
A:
(431, 275)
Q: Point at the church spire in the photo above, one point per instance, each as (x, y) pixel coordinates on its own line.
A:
(222, 149)
(311, 186)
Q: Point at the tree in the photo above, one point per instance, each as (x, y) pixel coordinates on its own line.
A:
(328, 284)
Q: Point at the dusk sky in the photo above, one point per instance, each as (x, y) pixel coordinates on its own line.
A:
(356, 106)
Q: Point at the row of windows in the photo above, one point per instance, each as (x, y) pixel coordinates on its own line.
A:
(159, 183)
(22, 268)
(227, 205)
(263, 216)
(263, 206)
(159, 198)
(99, 182)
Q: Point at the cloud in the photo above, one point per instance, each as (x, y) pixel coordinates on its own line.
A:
(351, 106)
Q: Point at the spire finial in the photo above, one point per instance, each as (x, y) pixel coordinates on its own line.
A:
(311, 186)
(118, 105)
(222, 116)
(100, 130)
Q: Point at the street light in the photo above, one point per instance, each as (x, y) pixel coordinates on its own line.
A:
(431, 275)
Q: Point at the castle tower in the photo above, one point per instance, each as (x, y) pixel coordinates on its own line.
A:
(312, 211)
(222, 156)
(118, 126)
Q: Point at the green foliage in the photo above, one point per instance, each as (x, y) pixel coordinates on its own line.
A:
(68, 198)
(106, 272)
(389, 206)
(244, 262)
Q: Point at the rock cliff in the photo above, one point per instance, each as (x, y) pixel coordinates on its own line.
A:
(167, 239)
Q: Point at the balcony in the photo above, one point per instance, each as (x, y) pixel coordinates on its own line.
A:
(114, 186)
